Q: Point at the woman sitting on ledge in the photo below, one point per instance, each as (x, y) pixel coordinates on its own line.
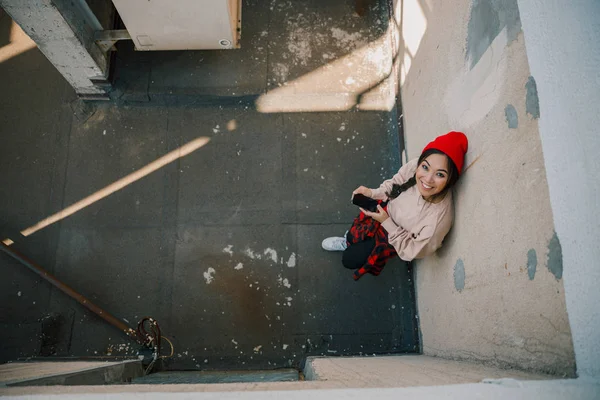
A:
(414, 210)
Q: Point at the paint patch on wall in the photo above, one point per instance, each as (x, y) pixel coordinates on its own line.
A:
(459, 275)
(511, 116)
(532, 103)
(555, 260)
(531, 263)
(488, 18)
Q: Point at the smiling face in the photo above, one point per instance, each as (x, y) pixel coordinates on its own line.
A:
(432, 175)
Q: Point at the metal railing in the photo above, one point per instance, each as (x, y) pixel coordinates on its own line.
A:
(150, 338)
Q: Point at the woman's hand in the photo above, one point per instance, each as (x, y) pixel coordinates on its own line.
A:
(365, 191)
(379, 216)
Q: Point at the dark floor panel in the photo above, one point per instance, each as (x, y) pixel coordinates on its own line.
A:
(230, 290)
(342, 344)
(330, 302)
(20, 340)
(112, 144)
(236, 178)
(35, 121)
(108, 267)
(327, 156)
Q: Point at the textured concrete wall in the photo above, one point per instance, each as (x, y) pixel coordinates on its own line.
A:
(564, 55)
(494, 292)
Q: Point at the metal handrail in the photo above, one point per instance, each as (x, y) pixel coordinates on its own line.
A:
(111, 319)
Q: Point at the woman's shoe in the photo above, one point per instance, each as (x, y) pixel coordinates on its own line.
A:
(334, 243)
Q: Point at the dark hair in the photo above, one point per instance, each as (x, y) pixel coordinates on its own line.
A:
(452, 177)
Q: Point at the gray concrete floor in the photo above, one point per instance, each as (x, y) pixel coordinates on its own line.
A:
(221, 246)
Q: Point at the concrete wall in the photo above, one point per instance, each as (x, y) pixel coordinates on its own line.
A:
(65, 35)
(494, 292)
(564, 56)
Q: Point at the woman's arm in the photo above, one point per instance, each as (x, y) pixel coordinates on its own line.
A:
(410, 244)
(422, 240)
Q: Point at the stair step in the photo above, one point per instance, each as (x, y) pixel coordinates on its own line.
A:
(194, 377)
(45, 373)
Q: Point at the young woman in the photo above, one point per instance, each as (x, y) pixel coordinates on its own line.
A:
(414, 214)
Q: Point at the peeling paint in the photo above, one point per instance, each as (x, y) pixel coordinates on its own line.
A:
(292, 261)
(250, 253)
(459, 275)
(348, 40)
(280, 71)
(488, 18)
(532, 102)
(208, 275)
(531, 263)
(271, 253)
(555, 264)
(511, 116)
(228, 249)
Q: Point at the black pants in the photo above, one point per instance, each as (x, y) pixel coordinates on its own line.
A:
(356, 255)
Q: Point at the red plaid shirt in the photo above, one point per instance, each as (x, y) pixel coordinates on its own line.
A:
(365, 227)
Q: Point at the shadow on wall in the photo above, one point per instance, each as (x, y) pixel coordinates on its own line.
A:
(492, 26)
(104, 11)
(4, 28)
(13, 41)
(488, 19)
(411, 18)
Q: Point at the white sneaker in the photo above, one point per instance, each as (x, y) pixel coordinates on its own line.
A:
(334, 243)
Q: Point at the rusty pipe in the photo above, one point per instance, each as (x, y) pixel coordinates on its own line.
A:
(117, 323)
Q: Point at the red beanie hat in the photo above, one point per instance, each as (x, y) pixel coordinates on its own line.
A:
(454, 145)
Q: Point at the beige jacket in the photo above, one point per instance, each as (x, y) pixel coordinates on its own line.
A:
(416, 227)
